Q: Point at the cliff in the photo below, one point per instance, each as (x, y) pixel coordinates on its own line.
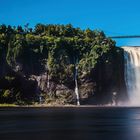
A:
(40, 66)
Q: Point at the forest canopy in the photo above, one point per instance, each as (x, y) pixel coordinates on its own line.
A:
(52, 43)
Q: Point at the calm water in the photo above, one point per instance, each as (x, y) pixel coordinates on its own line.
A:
(70, 123)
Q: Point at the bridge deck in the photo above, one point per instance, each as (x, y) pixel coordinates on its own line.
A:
(129, 36)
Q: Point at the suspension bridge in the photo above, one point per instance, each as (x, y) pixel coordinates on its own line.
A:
(128, 36)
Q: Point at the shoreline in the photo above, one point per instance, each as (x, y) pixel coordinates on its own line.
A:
(64, 106)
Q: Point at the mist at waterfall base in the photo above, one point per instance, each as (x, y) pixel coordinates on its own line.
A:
(132, 74)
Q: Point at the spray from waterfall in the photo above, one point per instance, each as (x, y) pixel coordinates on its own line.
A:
(132, 74)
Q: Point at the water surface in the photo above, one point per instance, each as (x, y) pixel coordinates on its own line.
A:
(85, 123)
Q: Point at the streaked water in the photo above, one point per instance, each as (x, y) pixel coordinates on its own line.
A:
(85, 123)
(132, 74)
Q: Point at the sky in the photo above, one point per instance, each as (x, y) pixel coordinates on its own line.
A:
(114, 17)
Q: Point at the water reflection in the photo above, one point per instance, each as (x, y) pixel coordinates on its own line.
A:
(70, 123)
(134, 123)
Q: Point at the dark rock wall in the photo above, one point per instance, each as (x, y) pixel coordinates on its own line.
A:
(107, 78)
(95, 88)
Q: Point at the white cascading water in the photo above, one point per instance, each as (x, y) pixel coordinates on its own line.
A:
(76, 86)
(132, 74)
(48, 77)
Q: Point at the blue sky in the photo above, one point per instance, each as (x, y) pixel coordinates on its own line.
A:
(114, 17)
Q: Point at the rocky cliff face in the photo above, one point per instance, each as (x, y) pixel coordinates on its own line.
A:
(109, 77)
(106, 80)
(96, 87)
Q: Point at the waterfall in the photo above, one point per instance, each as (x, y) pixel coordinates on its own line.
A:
(48, 77)
(132, 73)
(76, 86)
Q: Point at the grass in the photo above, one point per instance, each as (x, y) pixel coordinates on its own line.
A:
(8, 105)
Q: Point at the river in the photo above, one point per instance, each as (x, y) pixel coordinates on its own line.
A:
(70, 123)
